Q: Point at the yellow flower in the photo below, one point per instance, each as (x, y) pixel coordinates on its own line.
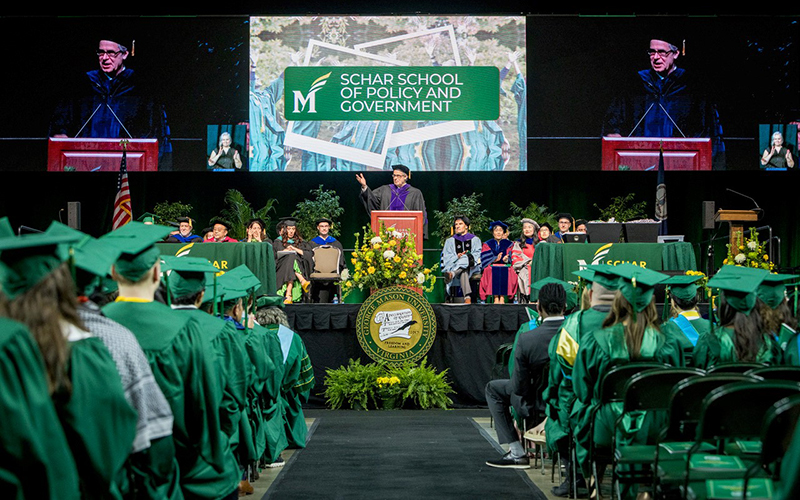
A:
(427, 271)
(402, 275)
(397, 258)
(371, 270)
(766, 257)
(354, 260)
(392, 243)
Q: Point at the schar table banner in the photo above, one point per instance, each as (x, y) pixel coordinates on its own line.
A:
(392, 93)
(259, 258)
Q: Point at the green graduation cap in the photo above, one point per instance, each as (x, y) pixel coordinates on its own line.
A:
(270, 301)
(5, 228)
(683, 286)
(136, 241)
(572, 297)
(186, 275)
(739, 285)
(26, 260)
(638, 284)
(772, 290)
(602, 274)
(149, 218)
(240, 277)
(91, 255)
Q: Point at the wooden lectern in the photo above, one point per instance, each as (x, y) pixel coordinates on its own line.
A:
(641, 153)
(736, 220)
(101, 155)
(404, 221)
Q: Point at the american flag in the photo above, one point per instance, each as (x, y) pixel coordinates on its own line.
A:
(122, 203)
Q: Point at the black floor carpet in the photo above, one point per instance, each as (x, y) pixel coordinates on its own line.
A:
(397, 454)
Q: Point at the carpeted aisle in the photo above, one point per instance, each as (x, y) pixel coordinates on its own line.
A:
(397, 454)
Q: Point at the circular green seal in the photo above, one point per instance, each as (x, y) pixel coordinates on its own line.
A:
(395, 325)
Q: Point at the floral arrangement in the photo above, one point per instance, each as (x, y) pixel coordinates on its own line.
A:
(384, 259)
(382, 386)
(751, 253)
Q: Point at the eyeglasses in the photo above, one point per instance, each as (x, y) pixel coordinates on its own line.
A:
(661, 53)
(109, 53)
(399, 175)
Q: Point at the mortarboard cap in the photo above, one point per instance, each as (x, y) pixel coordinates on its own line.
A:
(604, 275)
(497, 223)
(772, 290)
(321, 220)
(149, 218)
(186, 275)
(26, 260)
(136, 241)
(5, 228)
(90, 254)
(287, 221)
(220, 220)
(683, 286)
(739, 285)
(403, 169)
(270, 301)
(637, 284)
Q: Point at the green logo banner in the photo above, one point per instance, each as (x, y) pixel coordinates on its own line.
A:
(578, 256)
(340, 93)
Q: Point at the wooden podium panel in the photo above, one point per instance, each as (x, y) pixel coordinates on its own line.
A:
(404, 221)
(101, 155)
(641, 153)
(736, 220)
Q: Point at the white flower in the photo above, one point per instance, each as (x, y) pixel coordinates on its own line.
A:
(752, 245)
(740, 258)
(420, 278)
(376, 240)
(345, 274)
(397, 234)
(388, 255)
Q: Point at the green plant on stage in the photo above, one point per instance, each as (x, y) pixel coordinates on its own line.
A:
(167, 211)
(751, 253)
(467, 205)
(239, 212)
(426, 388)
(622, 209)
(533, 211)
(385, 259)
(324, 205)
(353, 386)
(380, 385)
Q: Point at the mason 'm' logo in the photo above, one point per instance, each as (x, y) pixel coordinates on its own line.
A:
(310, 98)
(598, 256)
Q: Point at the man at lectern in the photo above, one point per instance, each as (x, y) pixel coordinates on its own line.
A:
(399, 195)
(665, 100)
(112, 102)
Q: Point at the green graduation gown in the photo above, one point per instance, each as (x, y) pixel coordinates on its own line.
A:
(36, 461)
(686, 329)
(598, 353)
(298, 380)
(559, 395)
(717, 347)
(98, 421)
(227, 349)
(175, 347)
(272, 410)
(790, 344)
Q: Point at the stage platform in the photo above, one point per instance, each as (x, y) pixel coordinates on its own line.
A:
(467, 338)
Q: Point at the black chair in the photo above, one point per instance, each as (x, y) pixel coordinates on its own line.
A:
(734, 367)
(777, 430)
(683, 414)
(734, 411)
(648, 391)
(791, 373)
(612, 390)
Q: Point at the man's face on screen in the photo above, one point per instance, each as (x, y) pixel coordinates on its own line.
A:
(111, 58)
(662, 56)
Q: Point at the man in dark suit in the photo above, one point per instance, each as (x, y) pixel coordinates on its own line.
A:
(523, 390)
